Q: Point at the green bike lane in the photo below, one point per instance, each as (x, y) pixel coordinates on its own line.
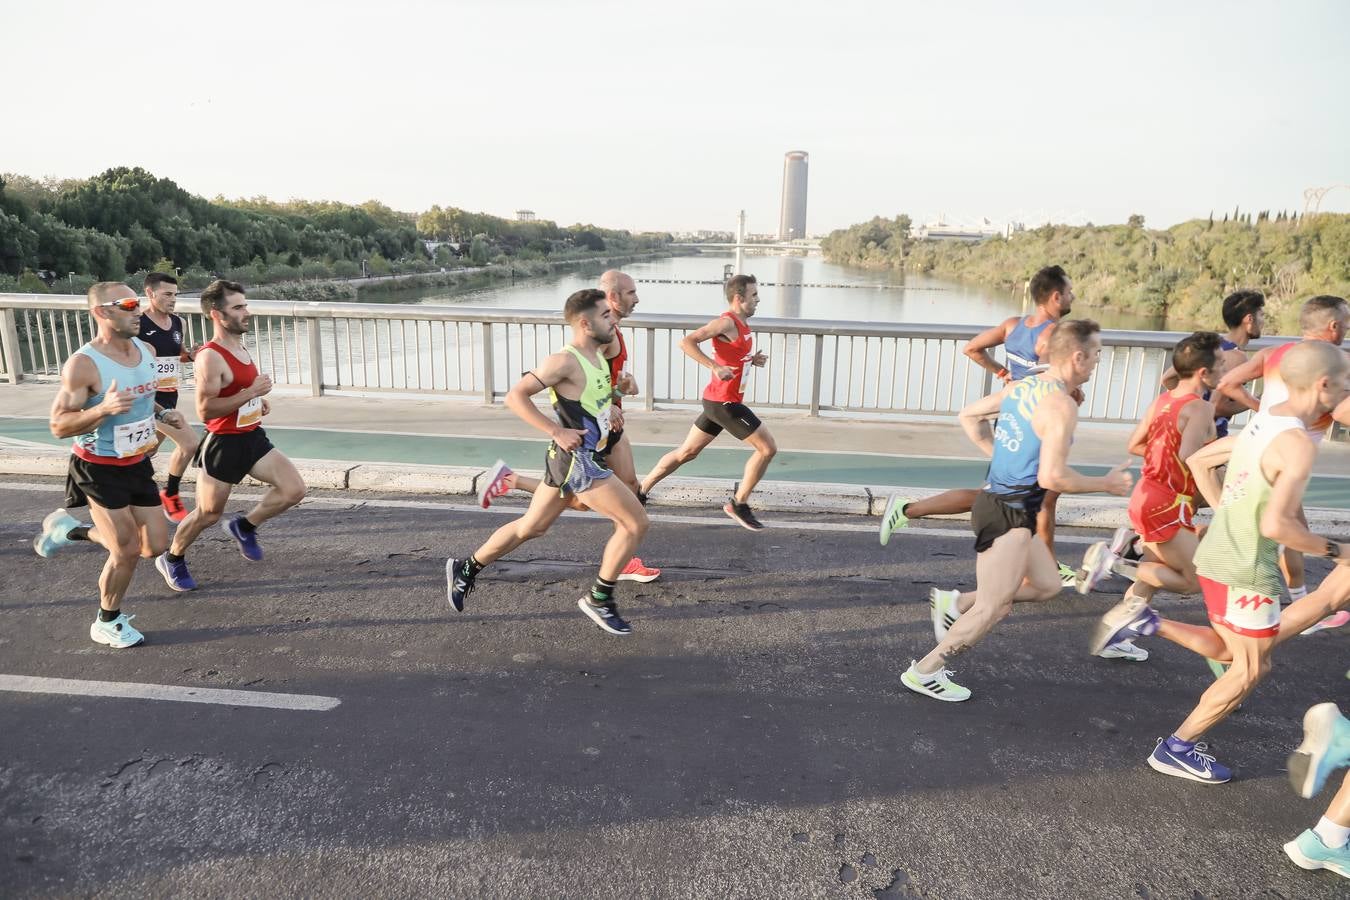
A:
(804, 466)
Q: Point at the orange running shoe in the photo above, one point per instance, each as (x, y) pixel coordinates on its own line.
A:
(636, 571)
(174, 510)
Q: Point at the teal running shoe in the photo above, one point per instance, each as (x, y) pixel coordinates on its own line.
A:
(894, 517)
(1325, 748)
(55, 533)
(1308, 852)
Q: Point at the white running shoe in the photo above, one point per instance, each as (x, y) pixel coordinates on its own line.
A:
(939, 685)
(116, 634)
(1097, 562)
(943, 611)
(1124, 650)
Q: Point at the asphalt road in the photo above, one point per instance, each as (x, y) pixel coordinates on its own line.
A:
(750, 739)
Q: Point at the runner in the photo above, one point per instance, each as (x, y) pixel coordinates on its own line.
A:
(107, 405)
(1028, 452)
(1324, 749)
(163, 331)
(579, 387)
(1162, 507)
(621, 295)
(231, 400)
(1237, 560)
(1323, 319)
(723, 409)
(1024, 341)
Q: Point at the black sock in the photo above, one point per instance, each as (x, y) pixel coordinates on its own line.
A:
(107, 615)
(171, 485)
(78, 533)
(602, 591)
(172, 557)
(472, 567)
(904, 510)
(245, 525)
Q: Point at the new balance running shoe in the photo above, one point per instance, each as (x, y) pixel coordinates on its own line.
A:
(174, 510)
(636, 571)
(247, 540)
(176, 574)
(1308, 852)
(1193, 762)
(1130, 618)
(942, 609)
(1325, 748)
(458, 582)
(893, 517)
(55, 533)
(742, 514)
(606, 615)
(1097, 562)
(1335, 620)
(117, 634)
(1125, 650)
(495, 483)
(938, 685)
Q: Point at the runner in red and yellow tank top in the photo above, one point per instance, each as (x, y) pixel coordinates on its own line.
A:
(231, 400)
(723, 409)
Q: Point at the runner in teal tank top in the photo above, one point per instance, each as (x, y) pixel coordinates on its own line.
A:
(578, 381)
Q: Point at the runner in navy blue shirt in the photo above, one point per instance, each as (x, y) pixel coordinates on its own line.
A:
(163, 331)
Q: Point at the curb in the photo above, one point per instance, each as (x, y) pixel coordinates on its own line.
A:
(676, 491)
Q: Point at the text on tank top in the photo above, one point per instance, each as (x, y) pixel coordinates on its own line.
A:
(1162, 458)
(243, 374)
(125, 438)
(589, 413)
(733, 355)
(1274, 391)
(1016, 461)
(168, 345)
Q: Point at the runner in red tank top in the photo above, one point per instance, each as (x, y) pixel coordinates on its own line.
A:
(1162, 507)
(723, 408)
(231, 400)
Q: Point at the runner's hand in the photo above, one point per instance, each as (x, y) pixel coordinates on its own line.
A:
(1119, 480)
(1078, 395)
(759, 359)
(615, 418)
(174, 419)
(261, 385)
(626, 385)
(190, 353)
(722, 373)
(567, 439)
(115, 402)
(266, 408)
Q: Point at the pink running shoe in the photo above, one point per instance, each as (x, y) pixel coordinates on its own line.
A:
(494, 483)
(636, 571)
(1335, 620)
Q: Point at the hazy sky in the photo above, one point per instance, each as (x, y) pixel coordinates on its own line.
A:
(674, 115)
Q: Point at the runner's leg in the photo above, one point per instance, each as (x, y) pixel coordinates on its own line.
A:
(1175, 570)
(947, 503)
(765, 450)
(1251, 663)
(693, 445)
(119, 533)
(212, 495)
(285, 487)
(613, 500)
(544, 509)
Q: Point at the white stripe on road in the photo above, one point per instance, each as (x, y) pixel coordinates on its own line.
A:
(671, 518)
(31, 684)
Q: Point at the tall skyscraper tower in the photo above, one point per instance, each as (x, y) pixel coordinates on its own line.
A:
(792, 220)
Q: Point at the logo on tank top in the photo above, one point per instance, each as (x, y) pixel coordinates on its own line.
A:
(1234, 488)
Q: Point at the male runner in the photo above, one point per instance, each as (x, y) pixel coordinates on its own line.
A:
(107, 404)
(1324, 749)
(1025, 340)
(621, 295)
(1237, 561)
(163, 331)
(1029, 451)
(231, 400)
(723, 406)
(1162, 507)
(579, 387)
(1323, 319)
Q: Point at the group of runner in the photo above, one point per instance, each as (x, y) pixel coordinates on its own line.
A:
(118, 400)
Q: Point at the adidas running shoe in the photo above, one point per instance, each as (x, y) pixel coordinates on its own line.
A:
(938, 685)
(942, 609)
(893, 517)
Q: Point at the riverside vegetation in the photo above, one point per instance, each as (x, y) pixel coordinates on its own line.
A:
(1179, 273)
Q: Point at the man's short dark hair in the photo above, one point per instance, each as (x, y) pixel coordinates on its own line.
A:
(1047, 281)
(155, 279)
(1070, 336)
(1318, 311)
(1195, 352)
(213, 297)
(582, 301)
(1241, 304)
(737, 285)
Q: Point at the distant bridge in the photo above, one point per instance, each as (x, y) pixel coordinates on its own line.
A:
(775, 247)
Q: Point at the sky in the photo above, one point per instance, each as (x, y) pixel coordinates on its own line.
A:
(674, 116)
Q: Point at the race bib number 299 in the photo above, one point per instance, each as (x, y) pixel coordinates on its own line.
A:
(166, 373)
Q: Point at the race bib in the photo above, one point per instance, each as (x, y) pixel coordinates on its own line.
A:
(602, 418)
(134, 438)
(166, 373)
(249, 414)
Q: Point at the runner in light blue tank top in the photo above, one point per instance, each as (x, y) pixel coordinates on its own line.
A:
(104, 439)
(1017, 447)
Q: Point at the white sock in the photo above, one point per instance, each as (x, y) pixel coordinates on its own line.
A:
(1333, 836)
(1297, 593)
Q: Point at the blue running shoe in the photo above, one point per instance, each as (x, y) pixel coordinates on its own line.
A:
(176, 574)
(1130, 618)
(55, 533)
(1325, 748)
(248, 540)
(1308, 852)
(1194, 763)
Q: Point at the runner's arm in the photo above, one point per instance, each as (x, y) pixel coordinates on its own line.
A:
(1054, 421)
(555, 369)
(1234, 384)
(212, 373)
(978, 347)
(79, 378)
(1342, 413)
(975, 420)
(1198, 429)
(1138, 443)
(1282, 520)
(1170, 379)
(1205, 464)
(690, 343)
(1043, 342)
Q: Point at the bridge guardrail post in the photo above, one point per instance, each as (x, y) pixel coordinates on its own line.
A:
(9, 334)
(489, 392)
(315, 356)
(817, 368)
(650, 374)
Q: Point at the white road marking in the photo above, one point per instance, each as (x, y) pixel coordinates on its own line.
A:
(32, 684)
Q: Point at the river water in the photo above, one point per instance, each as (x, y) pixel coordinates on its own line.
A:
(870, 296)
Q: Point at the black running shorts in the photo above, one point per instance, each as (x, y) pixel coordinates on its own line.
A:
(111, 487)
(735, 418)
(229, 457)
(993, 515)
(167, 399)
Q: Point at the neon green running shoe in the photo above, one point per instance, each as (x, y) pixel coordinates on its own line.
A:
(1218, 668)
(894, 517)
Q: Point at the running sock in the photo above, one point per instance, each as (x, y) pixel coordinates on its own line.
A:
(107, 615)
(1177, 745)
(904, 510)
(78, 533)
(602, 591)
(245, 525)
(1332, 835)
(173, 557)
(472, 567)
(1298, 593)
(171, 485)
